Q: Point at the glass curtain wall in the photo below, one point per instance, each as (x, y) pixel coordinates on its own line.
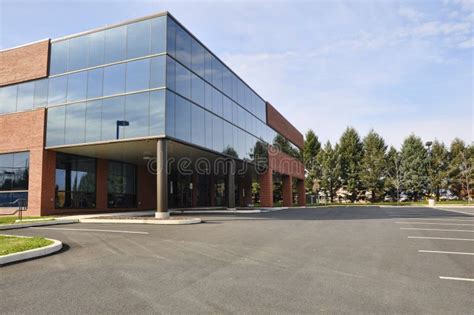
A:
(115, 45)
(14, 172)
(122, 185)
(93, 76)
(75, 182)
(203, 106)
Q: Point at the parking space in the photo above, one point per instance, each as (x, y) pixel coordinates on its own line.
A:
(355, 260)
(439, 238)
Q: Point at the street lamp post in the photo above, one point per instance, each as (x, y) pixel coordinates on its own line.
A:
(121, 123)
(430, 175)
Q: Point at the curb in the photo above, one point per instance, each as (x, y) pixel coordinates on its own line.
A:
(32, 253)
(107, 214)
(34, 220)
(138, 221)
(213, 211)
(261, 210)
(32, 224)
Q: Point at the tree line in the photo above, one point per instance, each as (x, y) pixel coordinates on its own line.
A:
(357, 169)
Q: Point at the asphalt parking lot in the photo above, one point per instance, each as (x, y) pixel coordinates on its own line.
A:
(322, 260)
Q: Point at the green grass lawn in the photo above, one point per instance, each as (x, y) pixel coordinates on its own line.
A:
(10, 219)
(13, 244)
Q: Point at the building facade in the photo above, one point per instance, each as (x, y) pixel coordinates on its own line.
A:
(138, 115)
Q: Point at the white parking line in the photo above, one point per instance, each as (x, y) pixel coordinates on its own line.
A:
(446, 230)
(404, 215)
(457, 211)
(443, 252)
(441, 238)
(458, 279)
(434, 223)
(441, 219)
(89, 230)
(407, 213)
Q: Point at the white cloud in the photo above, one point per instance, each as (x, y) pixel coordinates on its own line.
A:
(410, 13)
(469, 43)
(466, 5)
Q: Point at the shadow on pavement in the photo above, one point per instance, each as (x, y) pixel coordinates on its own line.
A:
(338, 213)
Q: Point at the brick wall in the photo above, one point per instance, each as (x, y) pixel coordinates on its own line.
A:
(287, 183)
(24, 63)
(285, 164)
(25, 132)
(146, 189)
(283, 126)
(101, 184)
(301, 191)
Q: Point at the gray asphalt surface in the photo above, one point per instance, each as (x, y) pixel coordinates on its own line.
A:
(323, 260)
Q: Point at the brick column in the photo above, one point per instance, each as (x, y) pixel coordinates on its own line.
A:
(101, 184)
(195, 192)
(266, 188)
(287, 187)
(48, 183)
(301, 193)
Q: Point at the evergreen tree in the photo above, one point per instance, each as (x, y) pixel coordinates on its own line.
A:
(373, 164)
(454, 171)
(350, 150)
(328, 161)
(311, 148)
(393, 175)
(414, 167)
(438, 162)
(462, 168)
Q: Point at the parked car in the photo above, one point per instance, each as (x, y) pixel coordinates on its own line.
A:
(388, 199)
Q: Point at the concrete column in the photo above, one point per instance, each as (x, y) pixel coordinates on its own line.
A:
(162, 179)
(230, 184)
(301, 193)
(266, 188)
(287, 187)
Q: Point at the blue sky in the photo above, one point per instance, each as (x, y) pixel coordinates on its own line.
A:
(397, 67)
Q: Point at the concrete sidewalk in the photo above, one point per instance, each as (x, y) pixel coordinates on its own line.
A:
(151, 212)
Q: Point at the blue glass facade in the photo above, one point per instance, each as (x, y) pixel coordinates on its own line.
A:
(14, 173)
(152, 74)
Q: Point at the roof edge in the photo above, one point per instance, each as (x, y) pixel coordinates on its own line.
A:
(103, 28)
(27, 44)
